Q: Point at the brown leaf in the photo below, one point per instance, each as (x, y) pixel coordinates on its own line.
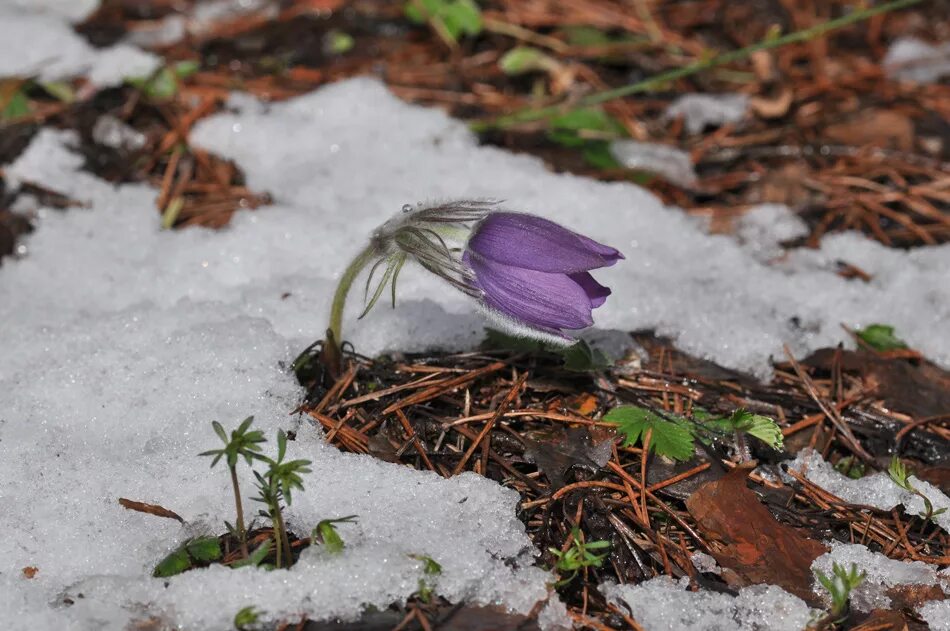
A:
(151, 509)
(775, 106)
(886, 620)
(753, 544)
(913, 596)
(556, 451)
(880, 128)
(30, 571)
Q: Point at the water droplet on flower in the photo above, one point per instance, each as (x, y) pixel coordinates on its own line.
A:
(406, 208)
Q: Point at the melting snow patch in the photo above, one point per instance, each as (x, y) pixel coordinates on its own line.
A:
(703, 110)
(662, 604)
(876, 490)
(882, 573)
(913, 59)
(672, 164)
(72, 10)
(763, 228)
(936, 614)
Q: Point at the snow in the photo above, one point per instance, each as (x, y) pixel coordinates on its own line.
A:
(672, 164)
(708, 110)
(882, 573)
(36, 41)
(763, 228)
(72, 10)
(876, 490)
(913, 59)
(936, 614)
(662, 604)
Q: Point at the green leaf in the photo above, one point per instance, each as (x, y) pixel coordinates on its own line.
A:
(670, 438)
(577, 127)
(339, 42)
(59, 90)
(597, 154)
(17, 106)
(175, 563)
(461, 17)
(204, 549)
(761, 427)
(524, 59)
(219, 430)
(881, 337)
(580, 357)
(184, 69)
(246, 617)
(257, 557)
(586, 36)
(899, 474)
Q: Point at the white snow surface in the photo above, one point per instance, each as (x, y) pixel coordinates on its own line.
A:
(762, 229)
(702, 110)
(881, 571)
(36, 40)
(913, 59)
(662, 604)
(876, 490)
(936, 614)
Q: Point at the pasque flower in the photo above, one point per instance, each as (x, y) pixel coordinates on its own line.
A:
(535, 274)
(529, 274)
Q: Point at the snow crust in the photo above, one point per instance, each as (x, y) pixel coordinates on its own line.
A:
(762, 229)
(707, 110)
(913, 59)
(882, 573)
(662, 604)
(876, 490)
(672, 164)
(35, 40)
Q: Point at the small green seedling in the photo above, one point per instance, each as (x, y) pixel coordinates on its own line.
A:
(898, 472)
(839, 587)
(851, 467)
(194, 552)
(246, 618)
(255, 558)
(275, 486)
(881, 337)
(578, 556)
(742, 423)
(325, 532)
(671, 437)
(241, 444)
(450, 19)
(430, 570)
(163, 84)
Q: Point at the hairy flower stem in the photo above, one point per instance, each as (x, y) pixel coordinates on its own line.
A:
(239, 509)
(332, 356)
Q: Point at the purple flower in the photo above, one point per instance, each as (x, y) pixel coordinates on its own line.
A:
(535, 274)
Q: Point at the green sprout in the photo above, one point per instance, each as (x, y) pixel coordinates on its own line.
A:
(881, 337)
(246, 618)
(900, 475)
(200, 551)
(325, 532)
(242, 444)
(449, 18)
(578, 556)
(742, 423)
(430, 569)
(839, 587)
(275, 486)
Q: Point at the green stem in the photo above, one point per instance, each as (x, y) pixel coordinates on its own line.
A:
(647, 85)
(343, 288)
(282, 535)
(239, 509)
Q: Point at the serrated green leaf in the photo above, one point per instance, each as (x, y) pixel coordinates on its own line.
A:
(204, 549)
(761, 427)
(670, 438)
(175, 563)
(881, 337)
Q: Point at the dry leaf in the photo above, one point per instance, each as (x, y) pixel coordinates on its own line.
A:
(30, 571)
(879, 128)
(775, 106)
(556, 451)
(751, 542)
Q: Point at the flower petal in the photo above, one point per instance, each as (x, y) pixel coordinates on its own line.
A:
(535, 243)
(595, 291)
(537, 299)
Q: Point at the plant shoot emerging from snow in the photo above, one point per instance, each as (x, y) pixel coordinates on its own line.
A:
(530, 275)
